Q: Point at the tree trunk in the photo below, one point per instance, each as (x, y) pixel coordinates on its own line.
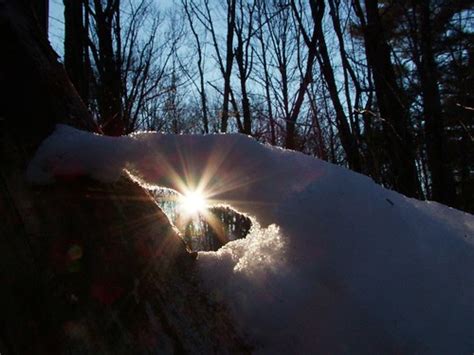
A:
(390, 100)
(110, 81)
(75, 47)
(442, 182)
(244, 58)
(266, 73)
(307, 78)
(348, 141)
(246, 112)
(231, 4)
(200, 65)
(86, 267)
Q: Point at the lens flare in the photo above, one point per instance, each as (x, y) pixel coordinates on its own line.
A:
(192, 203)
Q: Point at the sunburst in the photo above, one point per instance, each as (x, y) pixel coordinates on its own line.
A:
(192, 203)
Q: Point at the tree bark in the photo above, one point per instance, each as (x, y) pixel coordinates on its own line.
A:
(87, 267)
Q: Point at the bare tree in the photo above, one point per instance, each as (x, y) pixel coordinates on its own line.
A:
(205, 17)
(200, 64)
(106, 25)
(231, 6)
(144, 62)
(390, 100)
(310, 39)
(243, 27)
(348, 141)
(262, 56)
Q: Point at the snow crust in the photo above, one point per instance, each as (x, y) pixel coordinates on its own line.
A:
(334, 262)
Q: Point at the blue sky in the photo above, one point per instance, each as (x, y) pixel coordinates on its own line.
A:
(56, 21)
(56, 25)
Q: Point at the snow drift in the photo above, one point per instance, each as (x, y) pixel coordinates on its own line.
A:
(334, 262)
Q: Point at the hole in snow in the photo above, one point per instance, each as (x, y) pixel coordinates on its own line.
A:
(203, 228)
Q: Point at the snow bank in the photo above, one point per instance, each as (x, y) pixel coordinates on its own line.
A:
(335, 262)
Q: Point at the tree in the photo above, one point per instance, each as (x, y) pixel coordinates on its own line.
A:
(106, 24)
(261, 55)
(76, 53)
(390, 100)
(428, 40)
(310, 41)
(277, 57)
(243, 53)
(231, 6)
(442, 182)
(200, 63)
(348, 141)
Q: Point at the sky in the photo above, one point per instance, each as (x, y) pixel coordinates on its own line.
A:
(56, 25)
(56, 22)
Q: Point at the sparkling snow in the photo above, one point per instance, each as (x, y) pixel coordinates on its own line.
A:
(334, 262)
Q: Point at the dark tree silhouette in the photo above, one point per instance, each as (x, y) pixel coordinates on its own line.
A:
(76, 53)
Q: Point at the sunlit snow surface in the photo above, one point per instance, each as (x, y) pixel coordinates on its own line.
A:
(334, 263)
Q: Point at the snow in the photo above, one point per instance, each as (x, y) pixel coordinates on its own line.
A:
(334, 263)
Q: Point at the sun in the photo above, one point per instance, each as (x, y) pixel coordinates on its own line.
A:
(192, 203)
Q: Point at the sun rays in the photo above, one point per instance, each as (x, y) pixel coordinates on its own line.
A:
(192, 202)
(192, 205)
(204, 175)
(205, 172)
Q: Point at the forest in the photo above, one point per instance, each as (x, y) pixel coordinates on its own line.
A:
(384, 88)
